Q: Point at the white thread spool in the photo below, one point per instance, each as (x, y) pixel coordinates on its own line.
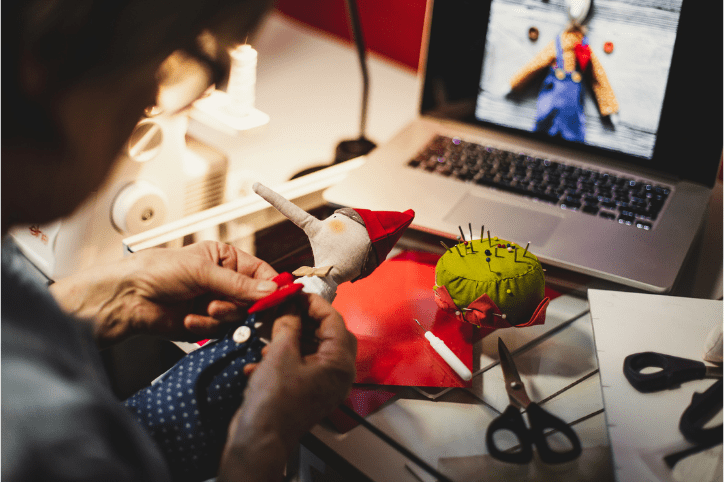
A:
(242, 80)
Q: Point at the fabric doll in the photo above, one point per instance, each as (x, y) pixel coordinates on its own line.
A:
(188, 409)
(559, 110)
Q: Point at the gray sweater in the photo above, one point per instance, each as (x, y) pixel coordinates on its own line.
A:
(60, 420)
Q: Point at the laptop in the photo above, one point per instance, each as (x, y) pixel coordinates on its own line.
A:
(618, 197)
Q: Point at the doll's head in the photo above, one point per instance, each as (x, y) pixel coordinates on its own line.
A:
(578, 11)
(353, 242)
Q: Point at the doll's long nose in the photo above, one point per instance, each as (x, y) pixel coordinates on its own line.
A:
(291, 211)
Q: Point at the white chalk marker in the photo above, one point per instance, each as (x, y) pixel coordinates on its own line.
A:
(447, 354)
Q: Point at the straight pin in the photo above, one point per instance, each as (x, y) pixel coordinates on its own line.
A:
(515, 255)
(526, 249)
(458, 250)
(503, 316)
(445, 246)
(490, 243)
(461, 233)
(482, 233)
(465, 244)
(470, 227)
(488, 260)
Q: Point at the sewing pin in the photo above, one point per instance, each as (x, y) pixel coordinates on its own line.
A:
(515, 255)
(461, 234)
(464, 243)
(470, 227)
(458, 250)
(482, 233)
(496, 251)
(488, 260)
(526, 249)
(503, 316)
(490, 243)
(444, 246)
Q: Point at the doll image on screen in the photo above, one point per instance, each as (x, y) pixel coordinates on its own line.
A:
(570, 64)
(187, 410)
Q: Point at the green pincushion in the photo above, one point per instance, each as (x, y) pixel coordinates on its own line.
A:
(513, 281)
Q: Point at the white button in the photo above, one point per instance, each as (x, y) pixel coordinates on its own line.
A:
(242, 334)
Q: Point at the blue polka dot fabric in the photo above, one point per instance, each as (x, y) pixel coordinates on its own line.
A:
(188, 409)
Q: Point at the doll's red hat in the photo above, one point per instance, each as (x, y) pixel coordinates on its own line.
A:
(385, 228)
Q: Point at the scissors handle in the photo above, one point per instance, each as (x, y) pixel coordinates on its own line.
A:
(540, 421)
(703, 408)
(510, 420)
(674, 370)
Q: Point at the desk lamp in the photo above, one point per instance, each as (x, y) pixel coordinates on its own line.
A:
(351, 148)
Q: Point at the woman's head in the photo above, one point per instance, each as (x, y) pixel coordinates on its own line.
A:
(78, 76)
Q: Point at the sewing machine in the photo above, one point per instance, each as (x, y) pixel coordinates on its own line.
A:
(162, 175)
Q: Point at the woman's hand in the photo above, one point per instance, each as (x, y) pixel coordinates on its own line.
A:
(180, 294)
(288, 392)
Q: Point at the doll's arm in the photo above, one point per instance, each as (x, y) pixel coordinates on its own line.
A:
(607, 103)
(541, 61)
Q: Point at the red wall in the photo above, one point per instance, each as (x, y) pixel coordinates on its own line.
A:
(392, 28)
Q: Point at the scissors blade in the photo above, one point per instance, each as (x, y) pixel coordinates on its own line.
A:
(713, 372)
(513, 384)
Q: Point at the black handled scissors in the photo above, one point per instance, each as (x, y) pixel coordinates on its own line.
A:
(540, 421)
(673, 371)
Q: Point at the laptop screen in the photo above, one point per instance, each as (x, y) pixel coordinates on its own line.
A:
(629, 80)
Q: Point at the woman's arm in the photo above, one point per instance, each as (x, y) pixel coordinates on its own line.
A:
(181, 294)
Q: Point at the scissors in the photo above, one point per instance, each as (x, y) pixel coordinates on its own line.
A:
(540, 421)
(673, 371)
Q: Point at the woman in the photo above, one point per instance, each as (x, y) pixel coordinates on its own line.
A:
(79, 75)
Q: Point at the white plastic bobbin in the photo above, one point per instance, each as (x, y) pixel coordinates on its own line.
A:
(139, 206)
(241, 334)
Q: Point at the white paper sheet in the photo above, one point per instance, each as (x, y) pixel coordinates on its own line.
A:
(645, 427)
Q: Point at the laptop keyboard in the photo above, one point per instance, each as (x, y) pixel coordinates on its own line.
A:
(632, 202)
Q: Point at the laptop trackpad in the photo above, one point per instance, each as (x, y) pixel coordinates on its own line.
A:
(511, 223)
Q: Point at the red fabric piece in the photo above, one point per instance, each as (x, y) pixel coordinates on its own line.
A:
(583, 55)
(276, 297)
(283, 279)
(481, 311)
(539, 315)
(385, 228)
(380, 311)
(285, 290)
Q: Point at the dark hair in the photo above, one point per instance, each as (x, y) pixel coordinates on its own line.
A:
(75, 41)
